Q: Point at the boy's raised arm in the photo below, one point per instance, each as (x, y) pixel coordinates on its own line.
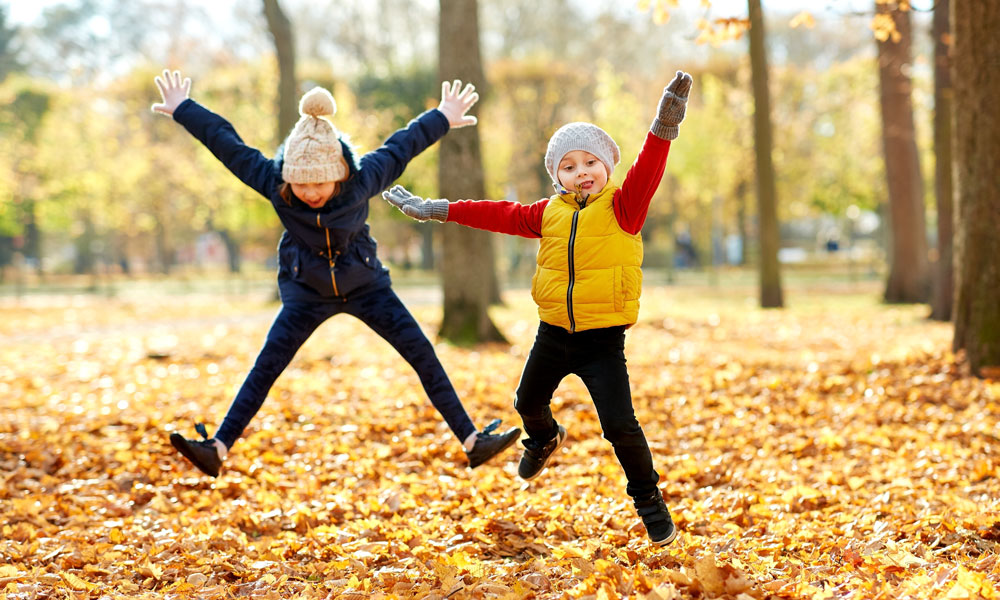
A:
(646, 172)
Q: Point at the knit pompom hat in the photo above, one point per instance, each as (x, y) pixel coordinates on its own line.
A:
(580, 136)
(312, 151)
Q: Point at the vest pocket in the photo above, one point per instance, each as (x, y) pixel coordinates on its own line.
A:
(619, 290)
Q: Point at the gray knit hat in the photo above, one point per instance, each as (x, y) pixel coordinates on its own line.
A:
(581, 136)
(312, 151)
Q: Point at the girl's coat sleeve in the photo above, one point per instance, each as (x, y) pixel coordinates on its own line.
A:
(381, 167)
(218, 135)
(508, 217)
(632, 201)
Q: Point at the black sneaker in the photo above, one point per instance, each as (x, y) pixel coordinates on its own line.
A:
(537, 455)
(489, 445)
(202, 453)
(655, 516)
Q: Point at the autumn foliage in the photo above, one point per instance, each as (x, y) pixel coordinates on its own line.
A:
(831, 450)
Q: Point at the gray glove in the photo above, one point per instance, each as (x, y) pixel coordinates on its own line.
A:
(416, 207)
(672, 107)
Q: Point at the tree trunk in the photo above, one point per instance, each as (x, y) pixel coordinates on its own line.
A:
(741, 220)
(977, 163)
(86, 259)
(944, 284)
(908, 273)
(427, 245)
(770, 272)
(232, 250)
(468, 266)
(32, 236)
(284, 46)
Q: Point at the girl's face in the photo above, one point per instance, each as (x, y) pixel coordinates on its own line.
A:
(314, 194)
(582, 172)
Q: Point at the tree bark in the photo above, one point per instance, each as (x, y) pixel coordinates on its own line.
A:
(908, 266)
(284, 46)
(468, 266)
(771, 295)
(976, 72)
(232, 250)
(943, 296)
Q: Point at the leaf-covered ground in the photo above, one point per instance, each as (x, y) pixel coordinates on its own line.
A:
(835, 449)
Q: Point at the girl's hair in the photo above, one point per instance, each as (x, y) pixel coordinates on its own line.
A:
(285, 191)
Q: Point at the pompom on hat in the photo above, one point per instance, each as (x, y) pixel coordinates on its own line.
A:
(580, 136)
(312, 151)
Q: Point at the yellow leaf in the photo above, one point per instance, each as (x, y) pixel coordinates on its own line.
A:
(76, 583)
(152, 570)
(856, 483)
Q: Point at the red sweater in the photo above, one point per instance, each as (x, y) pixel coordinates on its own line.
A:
(631, 201)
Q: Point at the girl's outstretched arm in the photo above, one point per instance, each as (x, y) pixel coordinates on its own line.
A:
(217, 134)
(384, 165)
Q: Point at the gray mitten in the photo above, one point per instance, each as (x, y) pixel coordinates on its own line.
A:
(416, 207)
(672, 107)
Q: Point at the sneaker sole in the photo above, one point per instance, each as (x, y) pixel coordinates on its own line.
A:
(666, 540)
(180, 444)
(549, 459)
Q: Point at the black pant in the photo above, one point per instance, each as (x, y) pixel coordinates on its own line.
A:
(381, 310)
(597, 356)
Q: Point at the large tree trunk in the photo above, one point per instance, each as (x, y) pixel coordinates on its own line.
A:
(975, 24)
(468, 267)
(944, 284)
(284, 46)
(908, 273)
(771, 295)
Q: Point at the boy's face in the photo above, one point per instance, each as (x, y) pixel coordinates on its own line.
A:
(582, 172)
(314, 194)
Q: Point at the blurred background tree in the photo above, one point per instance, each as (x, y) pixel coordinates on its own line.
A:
(383, 72)
(94, 184)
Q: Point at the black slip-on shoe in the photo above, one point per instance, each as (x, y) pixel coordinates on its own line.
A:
(537, 455)
(655, 516)
(489, 444)
(201, 453)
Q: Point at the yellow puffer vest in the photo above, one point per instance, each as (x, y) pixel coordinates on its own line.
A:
(588, 273)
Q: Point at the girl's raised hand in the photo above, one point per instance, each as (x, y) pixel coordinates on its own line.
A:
(173, 89)
(455, 104)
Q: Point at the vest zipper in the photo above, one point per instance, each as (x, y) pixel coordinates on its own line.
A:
(572, 274)
(332, 257)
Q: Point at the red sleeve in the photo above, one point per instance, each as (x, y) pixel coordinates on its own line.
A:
(632, 201)
(500, 216)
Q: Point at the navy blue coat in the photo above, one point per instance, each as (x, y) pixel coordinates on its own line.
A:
(325, 254)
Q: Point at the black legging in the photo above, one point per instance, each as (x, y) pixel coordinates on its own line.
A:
(385, 314)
